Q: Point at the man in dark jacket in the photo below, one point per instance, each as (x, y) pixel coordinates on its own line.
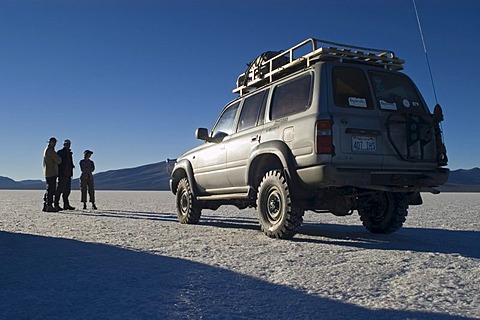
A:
(65, 173)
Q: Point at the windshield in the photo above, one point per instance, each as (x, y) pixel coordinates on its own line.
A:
(395, 91)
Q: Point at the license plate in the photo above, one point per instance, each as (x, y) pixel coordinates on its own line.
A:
(364, 143)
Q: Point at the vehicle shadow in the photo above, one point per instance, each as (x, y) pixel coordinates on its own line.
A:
(230, 222)
(462, 242)
(56, 278)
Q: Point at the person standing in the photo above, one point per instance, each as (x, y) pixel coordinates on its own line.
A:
(86, 179)
(51, 160)
(65, 173)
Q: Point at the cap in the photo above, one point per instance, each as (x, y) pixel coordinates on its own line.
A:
(67, 141)
(87, 152)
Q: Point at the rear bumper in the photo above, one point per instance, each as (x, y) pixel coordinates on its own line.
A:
(415, 180)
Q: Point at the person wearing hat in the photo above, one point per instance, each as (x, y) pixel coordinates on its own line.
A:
(65, 173)
(86, 179)
(51, 160)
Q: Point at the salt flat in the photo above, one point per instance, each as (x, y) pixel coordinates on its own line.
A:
(131, 259)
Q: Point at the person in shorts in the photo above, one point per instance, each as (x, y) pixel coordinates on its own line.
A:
(86, 179)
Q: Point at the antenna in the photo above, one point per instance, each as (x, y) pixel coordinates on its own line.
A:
(425, 50)
(442, 155)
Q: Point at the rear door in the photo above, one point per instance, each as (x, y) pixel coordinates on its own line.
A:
(357, 126)
(248, 135)
(409, 135)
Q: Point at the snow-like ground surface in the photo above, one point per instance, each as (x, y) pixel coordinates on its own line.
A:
(131, 259)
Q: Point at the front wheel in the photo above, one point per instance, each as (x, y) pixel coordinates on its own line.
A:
(277, 216)
(188, 211)
(383, 212)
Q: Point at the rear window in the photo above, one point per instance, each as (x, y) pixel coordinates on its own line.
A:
(395, 91)
(291, 97)
(350, 88)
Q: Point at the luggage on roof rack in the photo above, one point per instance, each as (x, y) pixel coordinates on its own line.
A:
(272, 65)
(259, 67)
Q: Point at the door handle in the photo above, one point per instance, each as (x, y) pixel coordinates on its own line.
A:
(256, 138)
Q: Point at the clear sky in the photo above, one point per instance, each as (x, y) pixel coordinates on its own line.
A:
(132, 80)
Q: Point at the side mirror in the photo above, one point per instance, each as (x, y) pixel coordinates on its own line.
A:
(202, 134)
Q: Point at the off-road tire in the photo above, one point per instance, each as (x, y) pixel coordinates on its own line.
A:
(383, 212)
(277, 216)
(188, 211)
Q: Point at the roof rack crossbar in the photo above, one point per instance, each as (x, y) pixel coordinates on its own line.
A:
(315, 49)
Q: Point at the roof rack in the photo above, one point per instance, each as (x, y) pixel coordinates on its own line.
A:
(265, 69)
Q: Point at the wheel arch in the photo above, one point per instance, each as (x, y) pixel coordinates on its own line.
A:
(183, 169)
(268, 156)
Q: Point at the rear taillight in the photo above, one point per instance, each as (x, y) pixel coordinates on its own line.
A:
(324, 143)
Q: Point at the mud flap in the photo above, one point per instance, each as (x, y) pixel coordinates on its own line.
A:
(414, 198)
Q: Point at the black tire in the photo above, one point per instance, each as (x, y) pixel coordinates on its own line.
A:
(383, 212)
(188, 211)
(277, 216)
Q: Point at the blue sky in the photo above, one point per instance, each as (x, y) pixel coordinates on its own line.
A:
(132, 80)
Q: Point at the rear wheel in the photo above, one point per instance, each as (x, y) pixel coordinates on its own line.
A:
(188, 211)
(383, 212)
(277, 216)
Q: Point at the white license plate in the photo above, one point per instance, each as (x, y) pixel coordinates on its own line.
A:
(364, 143)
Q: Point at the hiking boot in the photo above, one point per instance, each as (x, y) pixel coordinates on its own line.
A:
(84, 206)
(68, 207)
(58, 208)
(94, 207)
(51, 209)
(44, 209)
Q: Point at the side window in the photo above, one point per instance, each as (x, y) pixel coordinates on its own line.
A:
(350, 88)
(224, 124)
(251, 109)
(291, 97)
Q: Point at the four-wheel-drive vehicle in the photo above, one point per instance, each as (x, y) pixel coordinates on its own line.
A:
(321, 126)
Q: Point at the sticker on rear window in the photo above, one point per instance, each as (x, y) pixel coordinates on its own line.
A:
(406, 103)
(388, 105)
(357, 102)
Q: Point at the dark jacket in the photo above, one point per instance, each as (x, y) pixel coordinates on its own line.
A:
(87, 166)
(65, 169)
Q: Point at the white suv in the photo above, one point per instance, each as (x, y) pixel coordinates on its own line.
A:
(335, 128)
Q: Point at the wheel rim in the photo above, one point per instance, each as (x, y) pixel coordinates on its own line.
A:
(380, 208)
(184, 203)
(274, 205)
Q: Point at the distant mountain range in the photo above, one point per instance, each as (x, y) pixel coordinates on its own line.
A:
(147, 177)
(155, 177)
(462, 180)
